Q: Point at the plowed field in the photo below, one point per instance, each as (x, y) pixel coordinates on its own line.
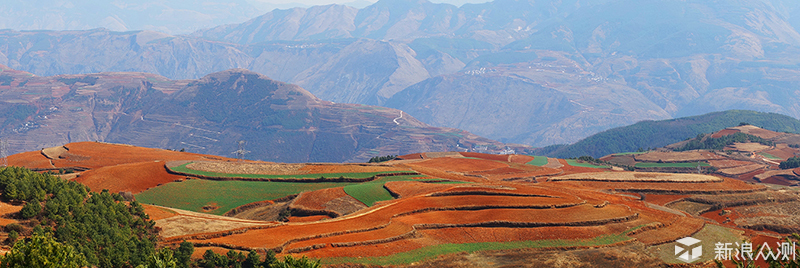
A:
(735, 171)
(495, 157)
(317, 199)
(134, 178)
(459, 164)
(724, 132)
(95, 155)
(30, 160)
(728, 163)
(412, 188)
(727, 186)
(485, 206)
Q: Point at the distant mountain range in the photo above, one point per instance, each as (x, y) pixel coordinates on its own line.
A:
(518, 71)
(654, 134)
(278, 121)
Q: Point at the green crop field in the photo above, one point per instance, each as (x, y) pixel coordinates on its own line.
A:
(574, 163)
(357, 175)
(769, 156)
(538, 161)
(368, 193)
(371, 192)
(193, 195)
(678, 165)
(438, 250)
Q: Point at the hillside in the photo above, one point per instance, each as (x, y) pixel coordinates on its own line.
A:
(280, 122)
(654, 134)
(420, 209)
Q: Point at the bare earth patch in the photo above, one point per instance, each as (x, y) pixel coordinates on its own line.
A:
(54, 152)
(747, 147)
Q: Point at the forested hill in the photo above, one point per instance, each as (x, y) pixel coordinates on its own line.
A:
(652, 134)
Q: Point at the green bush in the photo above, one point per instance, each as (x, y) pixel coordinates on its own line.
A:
(792, 162)
(42, 252)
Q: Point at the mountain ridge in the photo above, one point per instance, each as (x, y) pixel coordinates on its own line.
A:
(280, 122)
(655, 134)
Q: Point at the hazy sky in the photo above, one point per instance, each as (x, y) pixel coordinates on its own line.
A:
(325, 2)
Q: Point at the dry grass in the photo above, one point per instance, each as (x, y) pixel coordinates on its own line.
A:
(757, 131)
(54, 152)
(430, 155)
(247, 168)
(688, 156)
(728, 163)
(747, 147)
(693, 208)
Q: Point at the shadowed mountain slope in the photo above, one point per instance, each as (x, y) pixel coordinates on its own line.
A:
(280, 122)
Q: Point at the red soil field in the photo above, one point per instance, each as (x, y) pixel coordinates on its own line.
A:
(748, 177)
(796, 171)
(309, 218)
(312, 168)
(459, 164)
(482, 234)
(411, 156)
(438, 173)
(714, 215)
(316, 199)
(520, 159)
(556, 215)
(377, 217)
(728, 163)
(662, 199)
(412, 188)
(5, 210)
(682, 227)
(199, 251)
(134, 178)
(30, 160)
(724, 132)
(495, 157)
(502, 170)
(573, 169)
(392, 230)
(157, 213)
(508, 189)
(778, 180)
(383, 249)
(96, 154)
(717, 187)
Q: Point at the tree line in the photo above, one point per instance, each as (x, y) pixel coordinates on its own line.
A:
(67, 225)
(709, 143)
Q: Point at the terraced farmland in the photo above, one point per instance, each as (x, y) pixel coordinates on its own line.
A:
(459, 202)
